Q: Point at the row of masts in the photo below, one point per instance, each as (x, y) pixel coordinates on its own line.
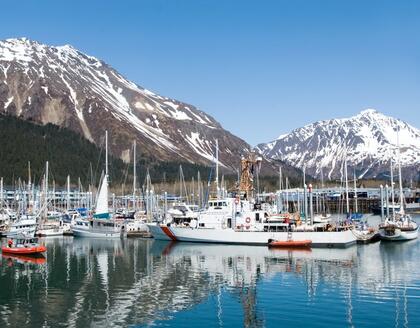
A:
(45, 193)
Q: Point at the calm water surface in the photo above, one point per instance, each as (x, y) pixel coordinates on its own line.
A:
(140, 283)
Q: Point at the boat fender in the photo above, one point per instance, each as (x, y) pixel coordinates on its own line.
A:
(248, 220)
(248, 227)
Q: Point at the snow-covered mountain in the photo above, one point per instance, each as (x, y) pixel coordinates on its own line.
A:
(368, 141)
(63, 86)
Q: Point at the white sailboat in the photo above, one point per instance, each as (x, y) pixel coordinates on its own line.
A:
(400, 226)
(101, 225)
(48, 228)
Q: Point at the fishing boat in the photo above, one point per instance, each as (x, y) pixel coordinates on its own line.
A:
(23, 245)
(5, 220)
(101, 225)
(50, 229)
(26, 225)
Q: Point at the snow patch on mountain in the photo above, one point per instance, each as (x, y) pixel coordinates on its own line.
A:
(368, 141)
(85, 94)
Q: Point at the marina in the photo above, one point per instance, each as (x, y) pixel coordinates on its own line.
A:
(214, 164)
(143, 282)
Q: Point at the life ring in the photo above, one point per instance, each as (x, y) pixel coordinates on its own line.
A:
(248, 220)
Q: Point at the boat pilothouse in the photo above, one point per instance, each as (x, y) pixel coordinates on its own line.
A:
(183, 213)
(217, 215)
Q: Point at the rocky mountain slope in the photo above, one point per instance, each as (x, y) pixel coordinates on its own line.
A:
(63, 86)
(368, 141)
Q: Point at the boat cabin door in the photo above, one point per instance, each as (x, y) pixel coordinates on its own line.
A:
(229, 223)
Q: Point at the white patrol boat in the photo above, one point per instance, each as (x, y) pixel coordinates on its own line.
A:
(231, 221)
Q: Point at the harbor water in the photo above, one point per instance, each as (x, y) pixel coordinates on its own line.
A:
(143, 282)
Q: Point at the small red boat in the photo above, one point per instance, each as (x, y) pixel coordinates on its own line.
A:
(23, 246)
(289, 243)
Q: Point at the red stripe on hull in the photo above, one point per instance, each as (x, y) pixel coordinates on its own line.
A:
(168, 232)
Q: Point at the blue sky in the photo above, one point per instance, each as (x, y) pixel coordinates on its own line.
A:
(261, 68)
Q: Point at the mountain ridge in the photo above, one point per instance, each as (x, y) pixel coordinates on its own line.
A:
(63, 86)
(368, 140)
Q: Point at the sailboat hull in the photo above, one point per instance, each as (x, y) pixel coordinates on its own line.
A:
(399, 235)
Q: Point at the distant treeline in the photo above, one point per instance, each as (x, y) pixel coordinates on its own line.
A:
(69, 153)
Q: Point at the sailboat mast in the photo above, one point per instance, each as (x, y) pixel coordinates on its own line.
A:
(46, 189)
(1, 192)
(134, 175)
(199, 189)
(106, 154)
(68, 193)
(355, 194)
(217, 168)
(400, 177)
(392, 190)
(347, 186)
(280, 178)
(29, 189)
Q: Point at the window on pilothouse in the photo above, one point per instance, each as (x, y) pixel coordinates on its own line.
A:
(257, 217)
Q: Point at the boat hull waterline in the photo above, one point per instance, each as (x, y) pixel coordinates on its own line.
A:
(89, 233)
(23, 250)
(338, 239)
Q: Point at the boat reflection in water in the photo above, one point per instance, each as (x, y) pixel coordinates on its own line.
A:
(88, 282)
(22, 259)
